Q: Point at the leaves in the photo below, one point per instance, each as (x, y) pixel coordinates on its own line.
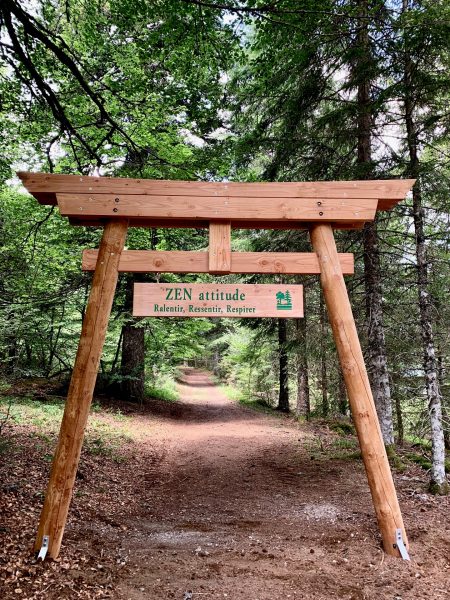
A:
(112, 80)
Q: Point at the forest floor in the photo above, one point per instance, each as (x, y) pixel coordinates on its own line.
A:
(205, 498)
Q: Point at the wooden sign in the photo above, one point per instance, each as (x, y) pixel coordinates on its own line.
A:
(217, 300)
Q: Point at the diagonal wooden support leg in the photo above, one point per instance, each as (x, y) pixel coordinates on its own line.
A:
(360, 395)
(84, 375)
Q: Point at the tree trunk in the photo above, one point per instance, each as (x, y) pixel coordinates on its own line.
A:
(79, 397)
(343, 400)
(133, 361)
(303, 408)
(445, 412)
(438, 483)
(399, 418)
(132, 366)
(283, 397)
(325, 408)
(377, 359)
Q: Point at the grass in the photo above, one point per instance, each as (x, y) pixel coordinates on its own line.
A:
(260, 405)
(421, 454)
(232, 393)
(257, 404)
(163, 389)
(106, 434)
(356, 455)
(342, 427)
(425, 461)
(345, 444)
(418, 442)
(419, 459)
(344, 449)
(44, 415)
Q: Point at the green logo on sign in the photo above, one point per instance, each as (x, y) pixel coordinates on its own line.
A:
(284, 301)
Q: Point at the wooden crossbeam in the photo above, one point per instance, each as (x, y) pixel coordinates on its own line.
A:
(45, 186)
(157, 261)
(217, 208)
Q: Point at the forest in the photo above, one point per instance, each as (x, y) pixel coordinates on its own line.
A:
(248, 91)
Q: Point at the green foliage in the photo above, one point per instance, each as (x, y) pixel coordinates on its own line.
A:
(420, 460)
(424, 461)
(131, 80)
(246, 363)
(170, 342)
(296, 118)
(138, 87)
(42, 289)
(157, 104)
(342, 427)
(164, 388)
(107, 431)
(44, 415)
(233, 393)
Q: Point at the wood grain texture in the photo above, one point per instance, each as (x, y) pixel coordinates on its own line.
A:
(44, 187)
(216, 208)
(158, 261)
(234, 300)
(219, 248)
(358, 388)
(65, 462)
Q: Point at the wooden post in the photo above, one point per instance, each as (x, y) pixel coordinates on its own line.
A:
(359, 393)
(220, 247)
(67, 455)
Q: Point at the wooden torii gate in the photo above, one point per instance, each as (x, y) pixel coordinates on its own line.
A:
(117, 203)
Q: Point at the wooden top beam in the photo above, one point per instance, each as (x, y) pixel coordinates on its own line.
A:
(44, 187)
(346, 203)
(213, 208)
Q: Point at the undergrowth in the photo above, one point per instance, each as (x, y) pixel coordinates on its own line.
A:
(164, 388)
(259, 404)
(106, 434)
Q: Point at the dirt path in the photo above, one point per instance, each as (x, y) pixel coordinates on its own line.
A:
(242, 511)
(214, 500)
